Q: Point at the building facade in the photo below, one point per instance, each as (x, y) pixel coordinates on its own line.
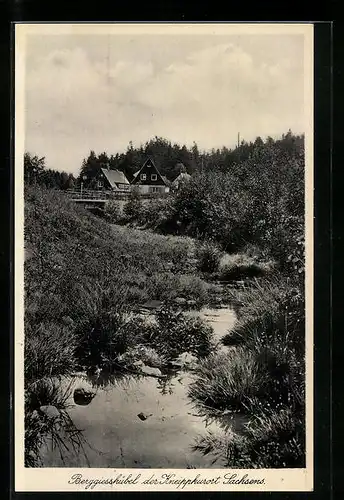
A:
(149, 180)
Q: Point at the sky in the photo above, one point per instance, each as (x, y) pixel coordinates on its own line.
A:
(98, 92)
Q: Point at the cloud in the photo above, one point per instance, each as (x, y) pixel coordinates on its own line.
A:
(75, 103)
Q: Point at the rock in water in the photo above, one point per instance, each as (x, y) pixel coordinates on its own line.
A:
(149, 370)
(82, 396)
(191, 303)
(144, 416)
(180, 301)
(50, 411)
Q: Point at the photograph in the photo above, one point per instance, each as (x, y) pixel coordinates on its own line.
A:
(163, 256)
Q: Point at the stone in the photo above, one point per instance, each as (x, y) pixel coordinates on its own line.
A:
(82, 396)
(191, 303)
(180, 300)
(149, 370)
(50, 411)
(144, 416)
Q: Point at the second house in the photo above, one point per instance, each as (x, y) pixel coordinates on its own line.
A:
(149, 180)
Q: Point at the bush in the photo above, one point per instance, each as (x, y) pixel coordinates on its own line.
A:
(208, 256)
(101, 339)
(133, 209)
(177, 334)
(148, 355)
(270, 312)
(49, 351)
(112, 211)
(228, 381)
(241, 266)
(172, 334)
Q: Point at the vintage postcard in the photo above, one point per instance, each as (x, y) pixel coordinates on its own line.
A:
(163, 257)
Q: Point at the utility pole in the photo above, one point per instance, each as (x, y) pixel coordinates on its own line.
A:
(238, 139)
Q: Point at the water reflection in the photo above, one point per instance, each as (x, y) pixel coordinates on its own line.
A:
(173, 434)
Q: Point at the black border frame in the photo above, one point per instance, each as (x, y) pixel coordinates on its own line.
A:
(322, 233)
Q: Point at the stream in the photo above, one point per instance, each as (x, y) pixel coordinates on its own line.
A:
(114, 434)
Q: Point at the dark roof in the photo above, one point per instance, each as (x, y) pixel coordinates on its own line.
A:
(115, 177)
(149, 159)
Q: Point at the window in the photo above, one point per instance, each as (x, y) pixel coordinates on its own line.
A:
(154, 177)
(143, 177)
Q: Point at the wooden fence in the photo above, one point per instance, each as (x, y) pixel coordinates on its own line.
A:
(89, 194)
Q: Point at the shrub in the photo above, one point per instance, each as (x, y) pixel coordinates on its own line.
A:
(148, 355)
(112, 211)
(177, 334)
(227, 381)
(49, 350)
(101, 339)
(133, 209)
(241, 266)
(273, 440)
(208, 256)
(270, 312)
(171, 334)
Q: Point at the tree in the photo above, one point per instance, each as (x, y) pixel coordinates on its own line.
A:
(90, 169)
(33, 168)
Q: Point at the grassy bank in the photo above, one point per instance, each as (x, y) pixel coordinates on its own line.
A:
(85, 282)
(262, 377)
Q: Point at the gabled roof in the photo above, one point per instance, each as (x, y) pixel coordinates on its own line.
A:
(149, 160)
(115, 177)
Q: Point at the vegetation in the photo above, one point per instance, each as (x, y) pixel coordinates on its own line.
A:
(208, 257)
(239, 217)
(35, 172)
(259, 201)
(41, 396)
(82, 279)
(249, 219)
(262, 376)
